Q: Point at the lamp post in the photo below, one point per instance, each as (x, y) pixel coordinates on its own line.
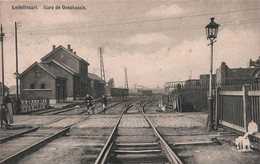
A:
(211, 32)
(2, 52)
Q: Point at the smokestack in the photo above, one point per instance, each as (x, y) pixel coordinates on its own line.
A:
(68, 46)
(53, 47)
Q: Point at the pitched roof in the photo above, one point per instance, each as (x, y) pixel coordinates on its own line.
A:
(49, 69)
(95, 77)
(52, 71)
(65, 67)
(65, 49)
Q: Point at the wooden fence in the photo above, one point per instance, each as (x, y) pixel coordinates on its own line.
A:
(188, 99)
(34, 105)
(236, 106)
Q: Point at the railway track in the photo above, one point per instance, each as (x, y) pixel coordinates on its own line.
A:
(17, 146)
(19, 134)
(73, 110)
(138, 144)
(31, 141)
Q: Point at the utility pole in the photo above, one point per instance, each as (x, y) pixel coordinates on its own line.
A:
(102, 69)
(126, 80)
(16, 54)
(2, 48)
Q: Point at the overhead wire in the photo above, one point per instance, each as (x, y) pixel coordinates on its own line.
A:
(160, 29)
(138, 21)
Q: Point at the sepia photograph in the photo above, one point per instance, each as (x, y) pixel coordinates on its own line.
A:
(130, 81)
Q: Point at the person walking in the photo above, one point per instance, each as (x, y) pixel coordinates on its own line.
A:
(8, 106)
(88, 102)
(103, 103)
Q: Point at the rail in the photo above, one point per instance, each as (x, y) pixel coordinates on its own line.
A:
(34, 147)
(104, 153)
(102, 157)
(173, 158)
(5, 139)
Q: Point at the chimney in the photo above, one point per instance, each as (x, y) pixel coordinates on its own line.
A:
(68, 46)
(53, 47)
(75, 53)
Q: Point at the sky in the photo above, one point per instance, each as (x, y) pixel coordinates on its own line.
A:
(157, 41)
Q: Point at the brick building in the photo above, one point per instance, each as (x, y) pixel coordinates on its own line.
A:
(204, 79)
(236, 76)
(202, 82)
(61, 76)
(96, 86)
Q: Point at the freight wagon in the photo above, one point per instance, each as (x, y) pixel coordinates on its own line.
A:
(144, 92)
(119, 92)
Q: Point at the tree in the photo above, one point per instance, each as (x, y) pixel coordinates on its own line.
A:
(110, 84)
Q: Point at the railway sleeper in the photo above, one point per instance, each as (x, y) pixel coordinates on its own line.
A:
(139, 158)
(137, 144)
(128, 151)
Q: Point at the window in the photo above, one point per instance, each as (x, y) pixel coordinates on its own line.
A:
(32, 86)
(42, 86)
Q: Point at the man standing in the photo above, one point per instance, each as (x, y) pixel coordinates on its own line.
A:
(103, 103)
(8, 106)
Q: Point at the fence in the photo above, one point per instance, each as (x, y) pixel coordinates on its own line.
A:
(236, 106)
(34, 105)
(188, 99)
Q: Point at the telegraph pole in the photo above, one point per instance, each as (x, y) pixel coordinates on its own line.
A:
(126, 80)
(2, 48)
(16, 54)
(102, 69)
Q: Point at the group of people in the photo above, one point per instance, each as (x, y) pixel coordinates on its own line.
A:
(89, 103)
(6, 111)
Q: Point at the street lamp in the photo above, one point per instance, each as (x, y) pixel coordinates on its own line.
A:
(211, 32)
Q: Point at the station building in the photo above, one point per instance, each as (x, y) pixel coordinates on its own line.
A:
(60, 76)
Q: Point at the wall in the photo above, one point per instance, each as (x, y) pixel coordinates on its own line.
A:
(76, 87)
(61, 94)
(83, 78)
(31, 78)
(36, 94)
(69, 82)
(218, 77)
